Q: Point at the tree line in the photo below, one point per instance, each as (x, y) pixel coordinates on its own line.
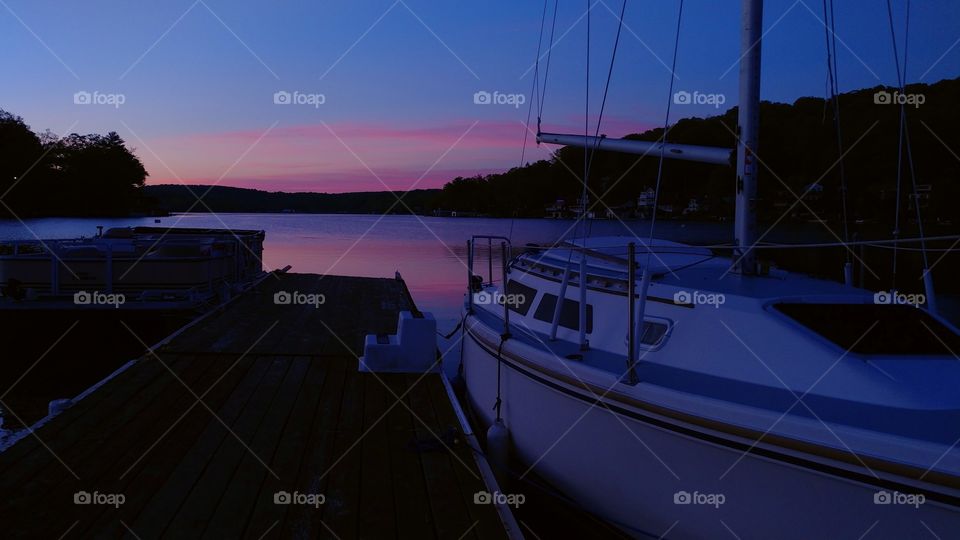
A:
(75, 175)
(798, 152)
(181, 198)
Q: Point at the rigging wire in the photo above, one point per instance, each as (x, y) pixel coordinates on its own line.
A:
(541, 97)
(586, 135)
(534, 94)
(830, 36)
(606, 90)
(638, 310)
(546, 72)
(590, 151)
(896, 215)
(904, 144)
(663, 140)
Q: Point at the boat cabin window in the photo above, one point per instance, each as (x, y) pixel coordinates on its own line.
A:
(887, 329)
(519, 297)
(569, 312)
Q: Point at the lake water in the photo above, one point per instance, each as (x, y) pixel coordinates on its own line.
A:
(429, 252)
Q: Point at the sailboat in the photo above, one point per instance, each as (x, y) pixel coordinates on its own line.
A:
(669, 395)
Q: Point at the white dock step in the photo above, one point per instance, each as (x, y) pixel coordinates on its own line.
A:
(413, 349)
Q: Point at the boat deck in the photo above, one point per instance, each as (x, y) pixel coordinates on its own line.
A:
(258, 400)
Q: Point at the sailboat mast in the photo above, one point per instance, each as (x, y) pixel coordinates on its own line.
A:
(748, 129)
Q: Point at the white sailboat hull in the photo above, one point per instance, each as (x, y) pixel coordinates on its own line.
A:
(651, 478)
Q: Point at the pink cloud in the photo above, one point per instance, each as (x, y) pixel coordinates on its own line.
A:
(349, 156)
(496, 133)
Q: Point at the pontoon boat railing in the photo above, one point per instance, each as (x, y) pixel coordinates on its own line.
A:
(35, 248)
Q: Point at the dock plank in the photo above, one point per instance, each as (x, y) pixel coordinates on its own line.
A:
(414, 515)
(376, 479)
(244, 488)
(39, 472)
(132, 381)
(133, 433)
(294, 444)
(452, 517)
(304, 521)
(339, 515)
(140, 484)
(211, 486)
(168, 498)
(484, 515)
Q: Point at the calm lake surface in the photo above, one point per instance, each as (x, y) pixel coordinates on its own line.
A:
(429, 252)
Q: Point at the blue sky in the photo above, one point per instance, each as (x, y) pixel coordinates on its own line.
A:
(398, 78)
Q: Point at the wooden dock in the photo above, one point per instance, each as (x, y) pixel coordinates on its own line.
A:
(255, 423)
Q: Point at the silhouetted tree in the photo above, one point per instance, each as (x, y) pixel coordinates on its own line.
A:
(20, 150)
(76, 175)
